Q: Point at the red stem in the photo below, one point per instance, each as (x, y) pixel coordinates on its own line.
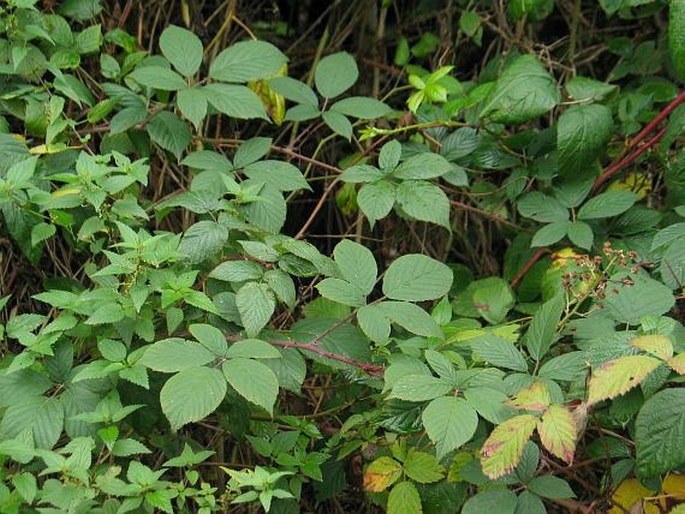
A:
(526, 268)
(614, 169)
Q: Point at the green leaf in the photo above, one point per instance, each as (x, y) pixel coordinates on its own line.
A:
(659, 433)
(253, 380)
(237, 271)
(450, 423)
(282, 285)
(88, 41)
(550, 234)
(180, 400)
(335, 74)
(580, 234)
(489, 403)
(493, 298)
(158, 77)
(552, 487)
(247, 60)
(558, 432)
(256, 304)
(235, 101)
(182, 48)
(127, 447)
(169, 132)
(529, 503)
(492, 501)
(566, 367)
(618, 376)
(543, 208)
(203, 240)
(193, 105)
(341, 291)
(338, 123)
(42, 231)
(376, 200)
(26, 485)
(606, 205)
(410, 317)
(502, 451)
(424, 165)
(584, 88)
(424, 201)
(499, 352)
(416, 278)
(582, 134)
(420, 388)
(374, 323)
(251, 151)
(361, 107)
(210, 337)
(390, 154)
(676, 37)
(381, 474)
(523, 92)
(281, 175)
(422, 467)
(294, 90)
(43, 416)
(363, 173)
(543, 329)
(357, 264)
(404, 498)
(630, 303)
(253, 349)
(175, 354)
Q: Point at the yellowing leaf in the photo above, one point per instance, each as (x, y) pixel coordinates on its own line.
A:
(273, 102)
(502, 450)
(563, 257)
(658, 345)
(618, 376)
(674, 488)
(381, 474)
(678, 363)
(533, 397)
(558, 432)
(48, 149)
(631, 493)
(66, 191)
(640, 184)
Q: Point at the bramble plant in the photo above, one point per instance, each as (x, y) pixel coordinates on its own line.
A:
(496, 326)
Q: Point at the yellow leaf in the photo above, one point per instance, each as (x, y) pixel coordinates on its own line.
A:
(618, 376)
(502, 451)
(631, 493)
(533, 397)
(639, 184)
(678, 363)
(558, 432)
(674, 488)
(273, 102)
(658, 345)
(381, 474)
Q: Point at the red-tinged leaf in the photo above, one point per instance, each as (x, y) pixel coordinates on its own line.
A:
(558, 432)
(678, 363)
(381, 474)
(502, 450)
(534, 397)
(619, 376)
(658, 345)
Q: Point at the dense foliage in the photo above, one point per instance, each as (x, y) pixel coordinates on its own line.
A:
(400, 257)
